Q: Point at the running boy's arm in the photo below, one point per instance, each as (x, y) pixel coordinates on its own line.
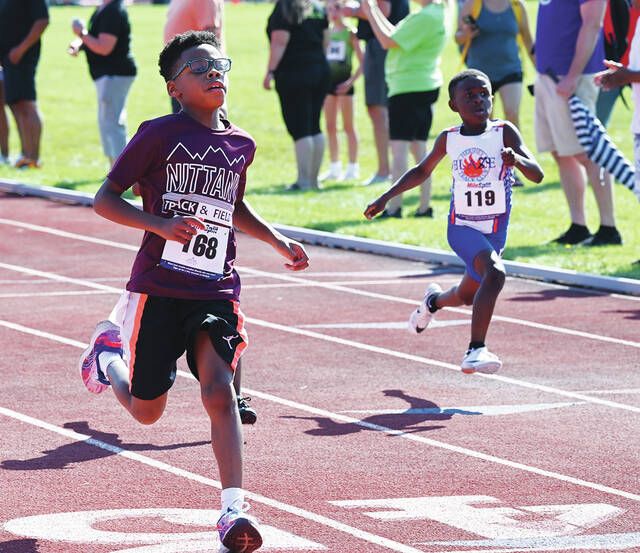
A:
(516, 154)
(412, 178)
(247, 220)
(616, 75)
(109, 204)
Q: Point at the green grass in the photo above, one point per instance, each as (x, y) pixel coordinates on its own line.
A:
(73, 157)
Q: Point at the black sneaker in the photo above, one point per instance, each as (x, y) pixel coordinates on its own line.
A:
(573, 235)
(604, 236)
(247, 414)
(426, 213)
(390, 214)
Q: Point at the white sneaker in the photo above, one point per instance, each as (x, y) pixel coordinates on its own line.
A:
(421, 317)
(480, 360)
(334, 172)
(352, 172)
(376, 179)
(238, 531)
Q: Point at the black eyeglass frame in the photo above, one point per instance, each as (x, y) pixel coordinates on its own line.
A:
(212, 63)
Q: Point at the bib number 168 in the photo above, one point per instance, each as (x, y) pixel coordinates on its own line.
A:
(203, 245)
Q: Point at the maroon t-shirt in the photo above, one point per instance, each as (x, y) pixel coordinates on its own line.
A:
(184, 168)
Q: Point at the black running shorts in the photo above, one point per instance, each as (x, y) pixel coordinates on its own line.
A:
(156, 331)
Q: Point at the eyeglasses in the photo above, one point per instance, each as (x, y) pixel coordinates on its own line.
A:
(204, 65)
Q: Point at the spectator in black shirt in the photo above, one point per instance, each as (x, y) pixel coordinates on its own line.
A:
(22, 23)
(297, 31)
(111, 65)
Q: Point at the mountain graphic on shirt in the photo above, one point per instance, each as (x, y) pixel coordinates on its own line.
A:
(210, 152)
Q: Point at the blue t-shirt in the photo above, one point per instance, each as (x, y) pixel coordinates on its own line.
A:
(557, 30)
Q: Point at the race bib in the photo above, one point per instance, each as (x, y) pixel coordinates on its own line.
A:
(205, 254)
(337, 51)
(479, 200)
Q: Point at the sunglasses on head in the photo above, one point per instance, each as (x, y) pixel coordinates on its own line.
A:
(204, 65)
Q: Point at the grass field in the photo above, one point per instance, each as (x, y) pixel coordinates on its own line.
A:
(73, 158)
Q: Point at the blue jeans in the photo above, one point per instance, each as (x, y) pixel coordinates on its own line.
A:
(112, 116)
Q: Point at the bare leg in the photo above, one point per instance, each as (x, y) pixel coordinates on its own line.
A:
(380, 120)
(602, 190)
(346, 108)
(237, 378)
(400, 161)
(419, 150)
(30, 126)
(573, 183)
(490, 267)
(219, 400)
(142, 410)
(511, 96)
(330, 121)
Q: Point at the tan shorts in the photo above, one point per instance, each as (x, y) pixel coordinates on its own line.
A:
(554, 128)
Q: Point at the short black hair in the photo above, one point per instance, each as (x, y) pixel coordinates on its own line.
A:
(173, 50)
(463, 75)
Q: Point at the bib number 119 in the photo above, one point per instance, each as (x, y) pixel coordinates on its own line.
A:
(480, 198)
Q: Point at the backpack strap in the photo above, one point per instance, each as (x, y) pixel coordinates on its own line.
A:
(476, 8)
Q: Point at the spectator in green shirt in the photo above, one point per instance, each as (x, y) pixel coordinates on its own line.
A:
(412, 71)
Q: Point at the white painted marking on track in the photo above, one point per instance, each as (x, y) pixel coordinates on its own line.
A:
(623, 391)
(441, 364)
(388, 325)
(55, 294)
(364, 424)
(78, 527)
(485, 410)
(438, 444)
(258, 498)
(368, 347)
(487, 516)
(337, 288)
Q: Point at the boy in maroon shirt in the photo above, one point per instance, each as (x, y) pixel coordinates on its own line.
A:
(183, 294)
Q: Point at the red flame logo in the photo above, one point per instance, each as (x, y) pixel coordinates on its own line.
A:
(471, 167)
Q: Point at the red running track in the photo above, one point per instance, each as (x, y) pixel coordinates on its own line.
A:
(368, 439)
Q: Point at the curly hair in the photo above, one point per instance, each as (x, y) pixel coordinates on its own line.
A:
(173, 50)
(463, 75)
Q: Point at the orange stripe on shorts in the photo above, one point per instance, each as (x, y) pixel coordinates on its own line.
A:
(243, 334)
(133, 340)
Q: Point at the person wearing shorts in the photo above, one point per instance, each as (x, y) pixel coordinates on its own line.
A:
(184, 293)
(493, 47)
(22, 23)
(565, 30)
(375, 86)
(414, 77)
(484, 154)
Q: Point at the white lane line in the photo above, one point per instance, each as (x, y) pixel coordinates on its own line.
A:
(54, 294)
(362, 346)
(398, 433)
(441, 364)
(258, 498)
(612, 392)
(336, 288)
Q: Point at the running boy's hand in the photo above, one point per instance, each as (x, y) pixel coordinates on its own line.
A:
(508, 157)
(294, 252)
(375, 207)
(179, 229)
(614, 76)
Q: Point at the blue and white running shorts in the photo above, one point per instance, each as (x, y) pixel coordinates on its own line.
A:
(468, 242)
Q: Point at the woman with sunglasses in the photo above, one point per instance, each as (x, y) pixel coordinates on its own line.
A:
(107, 44)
